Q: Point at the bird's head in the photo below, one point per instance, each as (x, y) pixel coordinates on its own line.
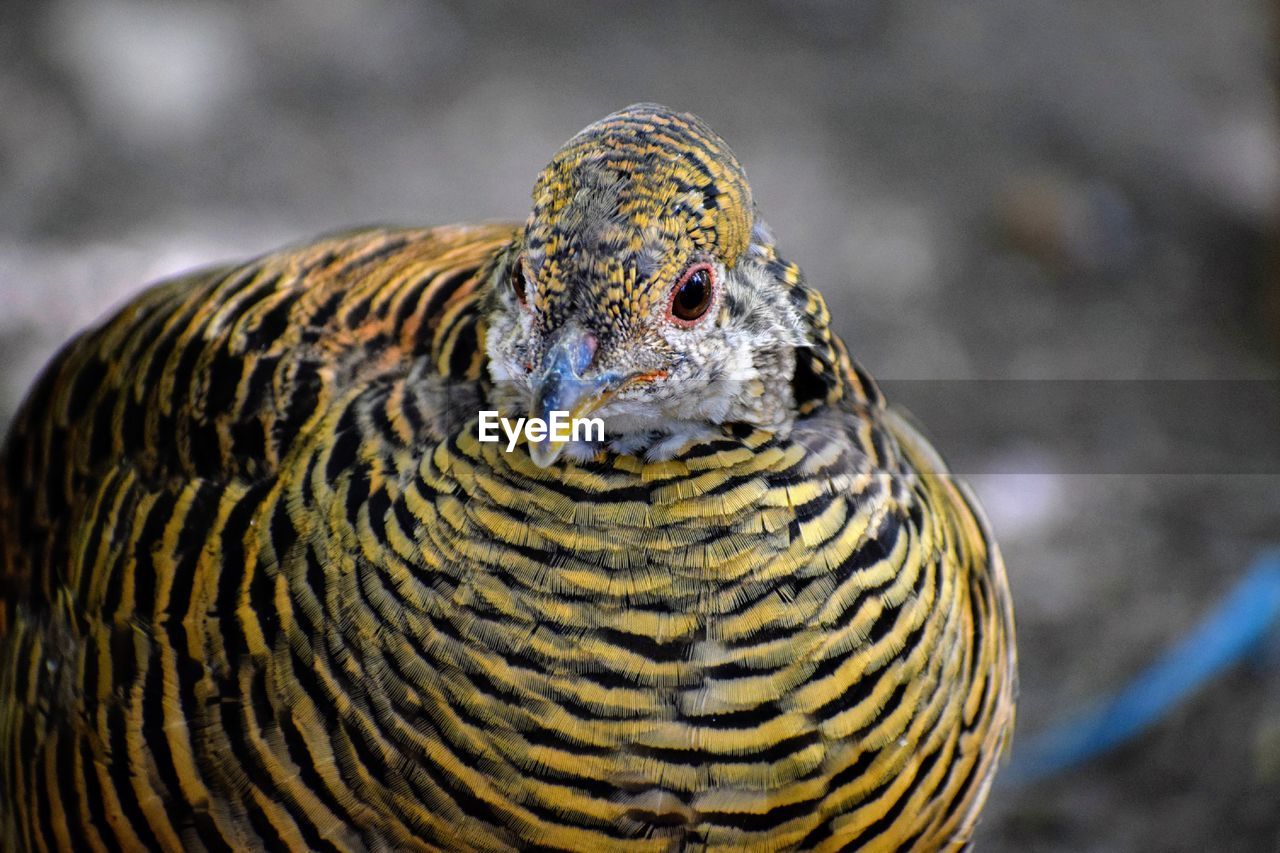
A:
(644, 291)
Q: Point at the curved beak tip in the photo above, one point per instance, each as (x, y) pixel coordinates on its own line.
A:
(544, 453)
(563, 389)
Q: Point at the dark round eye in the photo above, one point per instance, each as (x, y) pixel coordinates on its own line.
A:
(692, 295)
(518, 282)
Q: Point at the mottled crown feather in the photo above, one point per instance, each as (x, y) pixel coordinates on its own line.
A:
(639, 191)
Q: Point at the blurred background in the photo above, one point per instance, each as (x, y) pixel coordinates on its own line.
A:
(986, 191)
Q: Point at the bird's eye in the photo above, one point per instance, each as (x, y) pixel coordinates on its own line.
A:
(518, 282)
(692, 295)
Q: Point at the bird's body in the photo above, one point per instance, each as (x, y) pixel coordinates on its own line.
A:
(266, 588)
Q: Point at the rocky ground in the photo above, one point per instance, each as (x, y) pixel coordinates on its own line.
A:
(994, 190)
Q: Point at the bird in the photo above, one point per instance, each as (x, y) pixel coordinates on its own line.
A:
(266, 586)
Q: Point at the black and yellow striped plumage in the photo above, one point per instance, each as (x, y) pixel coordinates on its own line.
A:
(266, 589)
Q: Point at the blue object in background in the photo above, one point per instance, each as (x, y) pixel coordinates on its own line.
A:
(1240, 625)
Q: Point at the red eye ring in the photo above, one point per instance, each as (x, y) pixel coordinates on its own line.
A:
(692, 296)
(519, 283)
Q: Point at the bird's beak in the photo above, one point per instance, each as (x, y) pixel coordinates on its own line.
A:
(563, 388)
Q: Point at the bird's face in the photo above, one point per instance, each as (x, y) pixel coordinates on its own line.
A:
(641, 291)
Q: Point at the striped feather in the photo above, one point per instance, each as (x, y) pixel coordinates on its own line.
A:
(264, 588)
